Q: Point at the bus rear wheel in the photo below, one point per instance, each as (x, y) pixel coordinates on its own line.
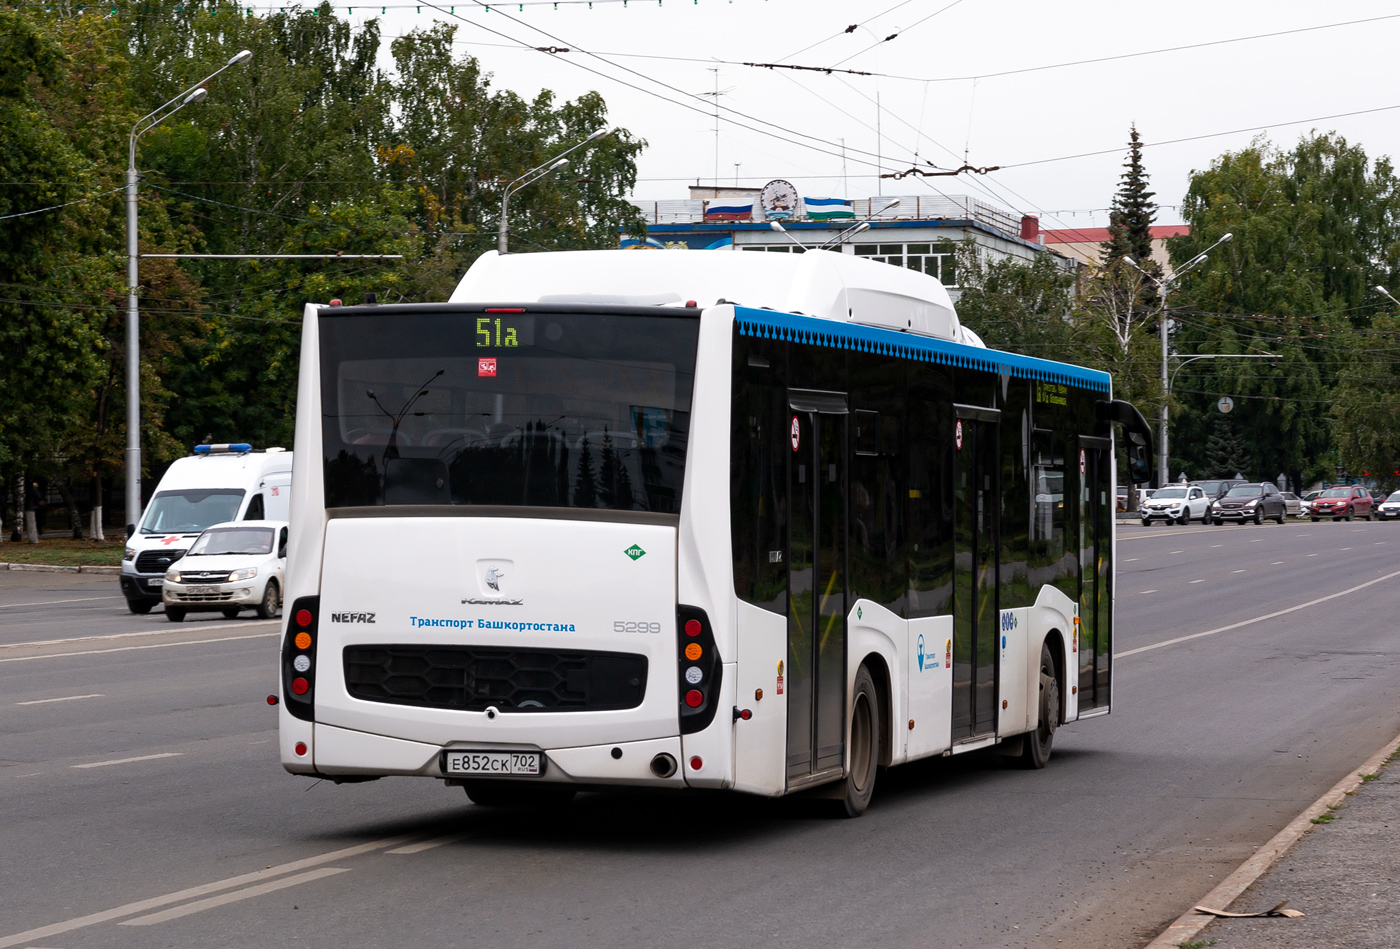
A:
(1040, 741)
(518, 794)
(864, 746)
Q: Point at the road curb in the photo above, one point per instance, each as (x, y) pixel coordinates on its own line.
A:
(59, 568)
(1190, 923)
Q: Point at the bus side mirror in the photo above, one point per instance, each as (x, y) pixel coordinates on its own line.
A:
(1137, 437)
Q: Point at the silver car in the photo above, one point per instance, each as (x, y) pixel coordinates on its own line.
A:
(1390, 507)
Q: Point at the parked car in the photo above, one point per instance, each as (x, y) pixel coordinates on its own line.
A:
(1293, 503)
(1176, 503)
(1390, 507)
(233, 566)
(1344, 501)
(1308, 500)
(1249, 502)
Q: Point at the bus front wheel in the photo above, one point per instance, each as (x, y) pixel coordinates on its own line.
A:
(1039, 742)
(864, 745)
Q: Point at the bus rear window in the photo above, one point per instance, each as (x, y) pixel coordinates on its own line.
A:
(576, 410)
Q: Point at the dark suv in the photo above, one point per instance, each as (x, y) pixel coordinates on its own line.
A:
(1215, 490)
(1343, 501)
(1250, 502)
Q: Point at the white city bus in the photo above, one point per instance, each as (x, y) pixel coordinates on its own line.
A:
(573, 529)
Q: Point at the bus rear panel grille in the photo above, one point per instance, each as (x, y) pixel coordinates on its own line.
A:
(474, 678)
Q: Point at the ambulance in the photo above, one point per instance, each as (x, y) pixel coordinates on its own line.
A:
(218, 483)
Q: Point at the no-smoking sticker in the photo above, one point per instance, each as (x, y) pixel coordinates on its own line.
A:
(957, 434)
(1082, 467)
(485, 367)
(796, 433)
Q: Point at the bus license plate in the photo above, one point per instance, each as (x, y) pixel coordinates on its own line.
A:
(514, 763)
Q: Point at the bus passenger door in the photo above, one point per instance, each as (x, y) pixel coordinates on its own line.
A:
(816, 664)
(976, 484)
(1095, 548)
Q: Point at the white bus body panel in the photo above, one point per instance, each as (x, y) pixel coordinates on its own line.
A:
(574, 577)
(821, 284)
(1014, 717)
(1053, 611)
(872, 630)
(705, 559)
(930, 687)
(760, 744)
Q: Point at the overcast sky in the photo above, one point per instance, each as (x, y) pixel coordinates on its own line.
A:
(789, 124)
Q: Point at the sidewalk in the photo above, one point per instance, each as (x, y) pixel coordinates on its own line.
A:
(1344, 874)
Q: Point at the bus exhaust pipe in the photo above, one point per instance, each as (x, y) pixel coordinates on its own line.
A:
(663, 765)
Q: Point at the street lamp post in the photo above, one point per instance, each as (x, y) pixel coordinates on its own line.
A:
(190, 96)
(1165, 286)
(529, 178)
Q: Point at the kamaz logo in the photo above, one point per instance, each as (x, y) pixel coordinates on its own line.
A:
(352, 617)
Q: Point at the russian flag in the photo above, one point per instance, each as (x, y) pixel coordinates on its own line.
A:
(729, 212)
(827, 209)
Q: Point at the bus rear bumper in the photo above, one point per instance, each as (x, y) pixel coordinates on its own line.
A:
(343, 751)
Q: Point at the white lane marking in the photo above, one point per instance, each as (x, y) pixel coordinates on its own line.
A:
(1176, 551)
(1149, 591)
(428, 844)
(1213, 546)
(1276, 563)
(192, 627)
(66, 698)
(100, 652)
(1237, 571)
(1346, 548)
(1130, 559)
(1379, 543)
(103, 764)
(1198, 581)
(1247, 622)
(131, 909)
(189, 909)
(1260, 541)
(80, 599)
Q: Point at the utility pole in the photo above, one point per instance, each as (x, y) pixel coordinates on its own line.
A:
(716, 72)
(1165, 286)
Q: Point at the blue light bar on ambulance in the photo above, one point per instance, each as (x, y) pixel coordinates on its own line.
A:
(222, 449)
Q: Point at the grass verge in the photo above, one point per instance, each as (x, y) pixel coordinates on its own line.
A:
(66, 553)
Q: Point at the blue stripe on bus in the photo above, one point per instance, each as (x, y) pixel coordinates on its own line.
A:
(789, 327)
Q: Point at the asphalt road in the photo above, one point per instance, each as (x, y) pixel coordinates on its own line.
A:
(143, 804)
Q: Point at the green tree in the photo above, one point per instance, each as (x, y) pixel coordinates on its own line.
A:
(1021, 306)
(1132, 212)
(1313, 228)
(1225, 450)
(1366, 405)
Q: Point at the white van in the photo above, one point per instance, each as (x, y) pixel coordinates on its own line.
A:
(218, 483)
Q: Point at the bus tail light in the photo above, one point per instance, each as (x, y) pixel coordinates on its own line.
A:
(299, 658)
(698, 669)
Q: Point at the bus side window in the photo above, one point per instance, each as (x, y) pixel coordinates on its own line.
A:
(930, 490)
(255, 509)
(878, 496)
(758, 478)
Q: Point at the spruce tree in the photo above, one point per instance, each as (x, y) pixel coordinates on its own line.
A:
(1225, 450)
(1131, 214)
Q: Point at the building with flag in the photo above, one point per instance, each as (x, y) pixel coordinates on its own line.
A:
(919, 232)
